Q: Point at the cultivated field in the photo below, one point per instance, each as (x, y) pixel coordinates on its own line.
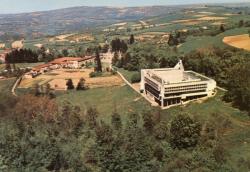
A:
(58, 78)
(72, 38)
(202, 18)
(238, 41)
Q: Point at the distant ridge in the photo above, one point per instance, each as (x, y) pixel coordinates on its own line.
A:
(74, 19)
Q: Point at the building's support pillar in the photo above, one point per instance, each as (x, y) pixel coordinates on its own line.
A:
(162, 97)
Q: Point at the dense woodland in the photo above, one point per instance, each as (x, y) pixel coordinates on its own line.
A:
(37, 135)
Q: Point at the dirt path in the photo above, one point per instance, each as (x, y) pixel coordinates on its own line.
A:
(133, 86)
(15, 85)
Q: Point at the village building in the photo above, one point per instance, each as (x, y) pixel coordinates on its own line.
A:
(3, 55)
(175, 86)
(64, 62)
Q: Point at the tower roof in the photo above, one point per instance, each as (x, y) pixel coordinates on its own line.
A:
(179, 66)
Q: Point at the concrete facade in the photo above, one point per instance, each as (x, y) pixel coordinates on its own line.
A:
(175, 86)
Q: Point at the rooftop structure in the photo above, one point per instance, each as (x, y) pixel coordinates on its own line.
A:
(174, 86)
(71, 62)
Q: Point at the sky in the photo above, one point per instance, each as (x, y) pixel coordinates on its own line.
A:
(18, 6)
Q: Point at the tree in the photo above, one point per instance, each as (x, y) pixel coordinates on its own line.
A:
(159, 153)
(81, 84)
(241, 23)
(116, 121)
(160, 131)
(70, 85)
(184, 132)
(123, 46)
(115, 59)
(98, 67)
(116, 45)
(38, 90)
(148, 122)
(222, 28)
(163, 62)
(132, 39)
(65, 52)
(29, 107)
(91, 117)
(136, 77)
(47, 89)
(7, 67)
(172, 40)
(239, 87)
(22, 56)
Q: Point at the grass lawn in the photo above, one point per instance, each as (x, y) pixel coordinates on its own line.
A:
(5, 85)
(106, 100)
(5, 89)
(2, 67)
(127, 74)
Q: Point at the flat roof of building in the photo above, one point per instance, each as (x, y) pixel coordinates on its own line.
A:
(172, 76)
(175, 75)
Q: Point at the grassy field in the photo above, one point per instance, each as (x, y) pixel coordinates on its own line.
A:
(5, 89)
(5, 85)
(106, 100)
(127, 74)
(193, 43)
(238, 41)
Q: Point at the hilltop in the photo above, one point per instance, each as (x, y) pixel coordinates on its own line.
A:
(73, 19)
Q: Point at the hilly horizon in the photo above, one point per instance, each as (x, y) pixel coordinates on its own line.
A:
(77, 19)
(73, 19)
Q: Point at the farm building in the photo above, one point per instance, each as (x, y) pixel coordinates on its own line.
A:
(64, 62)
(3, 55)
(175, 86)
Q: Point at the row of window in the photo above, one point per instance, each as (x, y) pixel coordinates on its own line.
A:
(184, 92)
(149, 88)
(151, 83)
(185, 89)
(187, 86)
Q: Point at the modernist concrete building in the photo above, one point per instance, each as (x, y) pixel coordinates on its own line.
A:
(174, 86)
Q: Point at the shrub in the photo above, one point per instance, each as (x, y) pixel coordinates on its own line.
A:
(184, 132)
(95, 74)
(70, 85)
(136, 77)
